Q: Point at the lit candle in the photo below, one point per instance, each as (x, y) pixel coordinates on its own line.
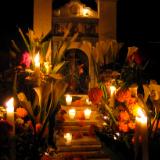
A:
(37, 60)
(10, 112)
(112, 95)
(141, 124)
(68, 99)
(87, 113)
(68, 138)
(72, 113)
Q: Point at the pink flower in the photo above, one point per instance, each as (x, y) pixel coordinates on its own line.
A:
(26, 60)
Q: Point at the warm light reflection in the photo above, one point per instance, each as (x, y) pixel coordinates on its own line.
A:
(88, 102)
(37, 60)
(47, 67)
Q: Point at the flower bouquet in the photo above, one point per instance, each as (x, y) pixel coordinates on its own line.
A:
(130, 112)
(38, 88)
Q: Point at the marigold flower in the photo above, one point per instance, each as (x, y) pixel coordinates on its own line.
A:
(123, 127)
(123, 95)
(131, 125)
(124, 116)
(21, 112)
(95, 95)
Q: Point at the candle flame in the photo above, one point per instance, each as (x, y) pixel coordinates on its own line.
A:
(141, 117)
(37, 60)
(10, 105)
(68, 99)
(112, 89)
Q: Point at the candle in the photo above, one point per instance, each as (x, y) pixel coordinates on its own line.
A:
(112, 95)
(37, 61)
(10, 112)
(72, 113)
(68, 138)
(68, 99)
(141, 124)
(87, 113)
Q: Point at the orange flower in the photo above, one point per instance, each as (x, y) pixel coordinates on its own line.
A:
(131, 125)
(123, 95)
(95, 95)
(21, 112)
(124, 116)
(123, 127)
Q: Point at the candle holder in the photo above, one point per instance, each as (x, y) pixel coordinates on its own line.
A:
(72, 113)
(87, 113)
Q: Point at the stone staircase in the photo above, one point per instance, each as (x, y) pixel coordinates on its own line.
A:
(84, 144)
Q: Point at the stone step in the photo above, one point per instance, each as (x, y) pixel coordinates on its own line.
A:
(76, 123)
(85, 140)
(89, 155)
(79, 108)
(79, 148)
(76, 128)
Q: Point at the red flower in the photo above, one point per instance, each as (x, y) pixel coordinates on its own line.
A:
(21, 112)
(95, 95)
(26, 60)
(38, 127)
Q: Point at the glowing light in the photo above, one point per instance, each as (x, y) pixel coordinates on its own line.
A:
(68, 138)
(87, 113)
(10, 106)
(72, 113)
(86, 11)
(37, 60)
(68, 99)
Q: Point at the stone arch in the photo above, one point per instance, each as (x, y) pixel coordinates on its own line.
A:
(86, 48)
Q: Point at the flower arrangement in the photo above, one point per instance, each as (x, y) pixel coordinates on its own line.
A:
(38, 88)
(121, 132)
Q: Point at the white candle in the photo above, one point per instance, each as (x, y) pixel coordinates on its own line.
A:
(72, 113)
(87, 113)
(68, 99)
(37, 60)
(68, 138)
(141, 124)
(10, 112)
(112, 95)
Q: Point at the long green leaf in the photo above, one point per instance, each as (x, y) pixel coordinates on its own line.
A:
(25, 40)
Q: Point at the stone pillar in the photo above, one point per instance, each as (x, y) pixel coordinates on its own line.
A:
(107, 19)
(42, 20)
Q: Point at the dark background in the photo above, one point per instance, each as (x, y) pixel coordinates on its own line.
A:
(137, 24)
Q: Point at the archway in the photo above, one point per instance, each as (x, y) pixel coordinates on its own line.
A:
(77, 71)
